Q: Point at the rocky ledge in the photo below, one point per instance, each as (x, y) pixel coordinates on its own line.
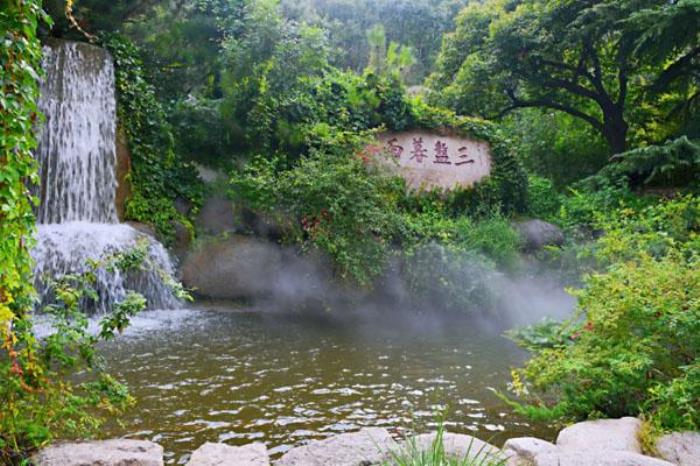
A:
(607, 442)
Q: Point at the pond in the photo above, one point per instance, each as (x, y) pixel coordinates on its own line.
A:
(222, 375)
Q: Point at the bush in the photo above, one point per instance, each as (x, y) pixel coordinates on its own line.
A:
(338, 205)
(158, 177)
(543, 200)
(40, 396)
(633, 346)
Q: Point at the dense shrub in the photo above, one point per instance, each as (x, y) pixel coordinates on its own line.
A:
(158, 177)
(633, 346)
(336, 204)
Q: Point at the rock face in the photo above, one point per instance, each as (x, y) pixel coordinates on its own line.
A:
(216, 216)
(230, 268)
(536, 234)
(455, 446)
(218, 454)
(602, 435)
(122, 169)
(681, 448)
(429, 159)
(366, 447)
(241, 266)
(118, 452)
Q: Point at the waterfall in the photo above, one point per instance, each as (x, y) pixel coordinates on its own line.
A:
(77, 148)
(76, 216)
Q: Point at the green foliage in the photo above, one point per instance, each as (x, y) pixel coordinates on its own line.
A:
(555, 145)
(543, 200)
(41, 398)
(20, 55)
(332, 204)
(158, 178)
(673, 164)
(632, 347)
(587, 59)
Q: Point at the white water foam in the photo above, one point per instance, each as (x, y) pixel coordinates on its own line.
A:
(77, 156)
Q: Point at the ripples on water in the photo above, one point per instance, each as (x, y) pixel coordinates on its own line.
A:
(234, 377)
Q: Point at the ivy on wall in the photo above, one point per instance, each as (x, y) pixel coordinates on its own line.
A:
(158, 178)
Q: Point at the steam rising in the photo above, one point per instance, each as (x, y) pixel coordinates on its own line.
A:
(411, 292)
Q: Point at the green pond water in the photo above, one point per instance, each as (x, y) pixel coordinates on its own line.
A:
(235, 377)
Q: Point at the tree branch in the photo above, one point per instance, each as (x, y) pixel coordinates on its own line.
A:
(545, 103)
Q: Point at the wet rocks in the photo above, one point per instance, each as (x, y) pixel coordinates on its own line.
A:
(364, 448)
(536, 234)
(218, 454)
(681, 448)
(117, 452)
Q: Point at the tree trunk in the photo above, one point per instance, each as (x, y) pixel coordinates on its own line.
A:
(615, 130)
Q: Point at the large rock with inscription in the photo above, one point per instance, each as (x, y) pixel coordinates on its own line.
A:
(429, 160)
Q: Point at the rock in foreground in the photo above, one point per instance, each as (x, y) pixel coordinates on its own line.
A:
(218, 454)
(366, 447)
(596, 458)
(681, 448)
(603, 434)
(118, 452)
(455, 446)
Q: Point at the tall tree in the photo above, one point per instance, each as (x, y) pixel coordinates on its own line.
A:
(582, 57)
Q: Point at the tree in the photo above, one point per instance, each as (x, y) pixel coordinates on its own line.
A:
(583, 57)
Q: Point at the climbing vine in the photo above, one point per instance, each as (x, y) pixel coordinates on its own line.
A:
(158, 178)
(20, 56)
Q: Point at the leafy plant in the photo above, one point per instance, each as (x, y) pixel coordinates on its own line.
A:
(632, 347)
(412, 454)
(42, 399)
(158, 177)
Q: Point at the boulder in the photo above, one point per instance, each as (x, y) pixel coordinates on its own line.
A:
(230, 268)
(596, 458)
(680, 448)
(118, 452)
(219, 454)
(183, 239)
(603, 434)
(536, 234)
(366, 447)
(522, 451)
(216, 216)
(455, 446)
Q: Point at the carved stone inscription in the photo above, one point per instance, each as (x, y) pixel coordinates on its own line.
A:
(427, 160)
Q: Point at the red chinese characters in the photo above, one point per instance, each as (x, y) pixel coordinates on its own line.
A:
(440, 152)
(441, 155)
(395, 149)
(419, 152)
(464, 154)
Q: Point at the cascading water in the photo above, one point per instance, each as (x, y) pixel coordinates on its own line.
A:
(77, 219)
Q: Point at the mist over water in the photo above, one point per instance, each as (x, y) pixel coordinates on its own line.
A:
(413, 291)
